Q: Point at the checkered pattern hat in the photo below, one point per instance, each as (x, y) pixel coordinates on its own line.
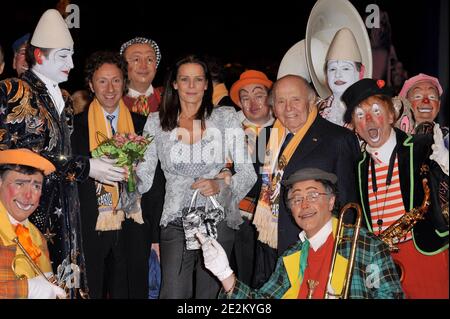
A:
(142, 40)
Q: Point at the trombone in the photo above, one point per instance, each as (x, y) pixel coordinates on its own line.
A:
(339, 239)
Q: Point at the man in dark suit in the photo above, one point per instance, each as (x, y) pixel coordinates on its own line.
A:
(325, 145)
(117, 245)
(306, 140)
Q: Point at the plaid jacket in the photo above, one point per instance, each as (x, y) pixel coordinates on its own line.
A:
(374, 273)
(10, 286)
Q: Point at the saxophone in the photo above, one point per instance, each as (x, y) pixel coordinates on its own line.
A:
(400, 228)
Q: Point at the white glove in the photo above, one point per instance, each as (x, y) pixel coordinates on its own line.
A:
(331, 292)
(215, 257)
(440, 152)
(40, 288)
(104, 171)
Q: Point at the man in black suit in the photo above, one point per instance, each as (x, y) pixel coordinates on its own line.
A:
(117, 245)
(307, 140)
(325, 145)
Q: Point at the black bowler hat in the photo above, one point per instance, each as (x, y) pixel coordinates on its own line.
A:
(310, 173)
(361, 90)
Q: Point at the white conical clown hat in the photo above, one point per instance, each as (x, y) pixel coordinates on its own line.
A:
(294, 62)
(52, 32)
(344, 47)
(327, 17)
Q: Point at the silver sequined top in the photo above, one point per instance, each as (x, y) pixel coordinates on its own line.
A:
(183, 163)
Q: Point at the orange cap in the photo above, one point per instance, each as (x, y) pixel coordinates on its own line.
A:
(248, 77)
(24, 156)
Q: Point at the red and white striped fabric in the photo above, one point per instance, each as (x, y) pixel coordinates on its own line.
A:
(387, 207)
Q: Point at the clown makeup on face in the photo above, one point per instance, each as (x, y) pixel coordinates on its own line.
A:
(253, 99)
(57, 65)
(341, 74)
(373, 121)
(20, 193)
(424, 98)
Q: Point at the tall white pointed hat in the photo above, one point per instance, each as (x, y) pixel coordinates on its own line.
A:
(327, 17)
(52, 32)
(344, 47)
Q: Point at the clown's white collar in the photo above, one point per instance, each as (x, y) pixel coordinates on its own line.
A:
(246, 122)
(383, 153)
(54, 91)
(15, 222)
(135, 94)
(320, 237)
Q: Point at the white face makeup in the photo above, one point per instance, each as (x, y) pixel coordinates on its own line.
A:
(341, 74)
(57, 65)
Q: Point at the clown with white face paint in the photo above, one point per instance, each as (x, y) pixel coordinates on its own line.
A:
(343, 68)
(341, 74)
(37, 115)
(56, 65)
(53, 68)
(390, 177)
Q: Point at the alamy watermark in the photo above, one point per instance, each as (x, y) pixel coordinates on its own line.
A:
(373, 19)
(373, 279)
(73, 17)
(221, 146)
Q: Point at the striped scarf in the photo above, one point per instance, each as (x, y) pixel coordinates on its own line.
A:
(107, 196)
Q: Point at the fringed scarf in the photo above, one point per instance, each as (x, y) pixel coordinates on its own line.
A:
(109, 217)
(252, 131)
(266, 215)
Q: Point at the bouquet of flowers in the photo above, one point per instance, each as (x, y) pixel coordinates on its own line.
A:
(128, 149)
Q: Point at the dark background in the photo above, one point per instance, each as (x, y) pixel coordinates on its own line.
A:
(255, 34)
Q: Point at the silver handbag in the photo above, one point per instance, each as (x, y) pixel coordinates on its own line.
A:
(198, 220)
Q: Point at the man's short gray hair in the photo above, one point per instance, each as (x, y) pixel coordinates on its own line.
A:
(311, 93)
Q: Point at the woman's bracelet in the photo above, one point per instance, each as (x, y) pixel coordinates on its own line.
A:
(229, 291)
(226, 169)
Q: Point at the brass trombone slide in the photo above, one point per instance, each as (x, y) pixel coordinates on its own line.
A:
(31, 262)
(339, 238)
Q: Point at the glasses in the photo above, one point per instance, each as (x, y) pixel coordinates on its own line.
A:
(310, 198)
